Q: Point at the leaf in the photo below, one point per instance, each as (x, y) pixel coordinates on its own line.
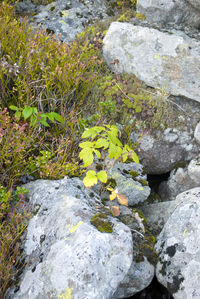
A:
(124, 157)
(57, 116)
(98, 154)
(135, 157)
(27, 112)
(86, 144)
(113, 138)
(101, 142)
(90, 179)
(102, 176)
(12, 107)
(115, 210)
(43, 122)
(89, 133)
(18, 114)
(114, 151)
(86, 155)
(122, 199)
(112, 196)
(138, 109)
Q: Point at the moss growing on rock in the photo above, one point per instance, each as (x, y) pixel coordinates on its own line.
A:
(101, 222)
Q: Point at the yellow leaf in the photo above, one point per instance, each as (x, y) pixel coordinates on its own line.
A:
(122, 199)
(113, 195)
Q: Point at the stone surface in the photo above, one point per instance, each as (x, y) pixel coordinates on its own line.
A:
(197, 133)
(67, 254)
(157, 214)
(65, 18)
(178, 248)
(164, 12)
(162, 151)
(180, 180)
(162, 60)
(130, 181)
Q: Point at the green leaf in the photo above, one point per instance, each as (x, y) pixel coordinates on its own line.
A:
(86, 155)
(12, 107)
(124, 157)
(138, 109)
(113, 138)
(18, 114)
(86, 144)
(43, 122)
(57, 116)
(101, 142)
(27, 112)
(90, 179)
(135, 157)
(114, 151)
(89, 133)
(98, 154)
(102, 176)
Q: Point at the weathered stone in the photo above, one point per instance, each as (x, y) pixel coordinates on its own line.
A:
(157, 214)
(164, 12)
(180, 180)
(65, 252)
(178, 248)
(162, 60)
(66, 18)
(197, 133)
(161, 153)
(130, 181)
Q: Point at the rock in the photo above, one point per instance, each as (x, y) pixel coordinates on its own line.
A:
(162, 60)
(157, 215)
(66, 254)
(180, 180)
(130, 181)
(167, 12)
(67, 18)
(197, 133)
(161, 152)
(178, 248)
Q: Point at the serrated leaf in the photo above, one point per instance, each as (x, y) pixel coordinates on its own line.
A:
(124, 157)
(102, 176)
(115, 210)
(14, 108)
(89, 133)
(90, 179)
(101, 142)
(86, 155)
(86, 144)
(135, 157)
(114, 151)
(98, 154)
(113, 138)
(43, 122)
(122, 199)
(27, 112)
(57, 116)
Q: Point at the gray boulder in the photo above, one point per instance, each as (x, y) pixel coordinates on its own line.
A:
(180, 180)
(178, 248)
(167, 61)
(197, 133)
(66, 18)
(165, 12)
(72, 246)
(130, 181)
(160, 152)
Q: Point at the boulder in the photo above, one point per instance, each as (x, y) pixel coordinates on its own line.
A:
(165, 12)
(130, 181)
(178, 248)
(197, 133)
(160, 152)
(75, 248)
(162, 60)
(65, 18)
(180, 180)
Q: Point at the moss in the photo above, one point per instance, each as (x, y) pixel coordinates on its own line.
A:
(180, 164)
(143, 182)
(101, 222)
(133, 173)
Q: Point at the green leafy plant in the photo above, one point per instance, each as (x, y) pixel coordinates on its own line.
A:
(36, 117)
(104, 139)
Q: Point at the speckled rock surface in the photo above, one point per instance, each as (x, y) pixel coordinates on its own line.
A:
(66, 254)
(178, 247)
(168, 61)
(197, 133)
(65, 18)
(164, 12)
(161, 153)
(180, 180)
(130, 181)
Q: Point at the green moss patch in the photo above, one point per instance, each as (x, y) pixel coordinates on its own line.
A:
(101, 222)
